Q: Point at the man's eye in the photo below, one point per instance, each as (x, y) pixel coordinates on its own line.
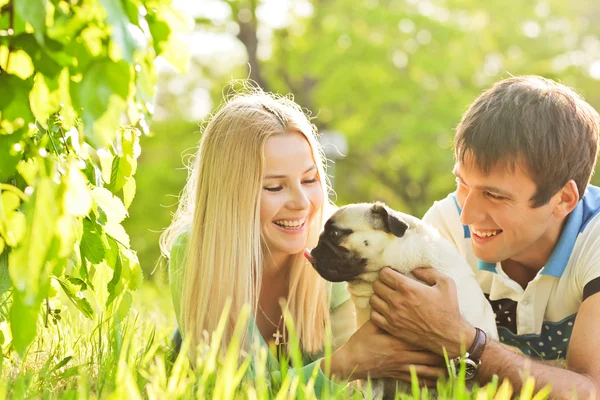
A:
(273, 189)
(493, 196)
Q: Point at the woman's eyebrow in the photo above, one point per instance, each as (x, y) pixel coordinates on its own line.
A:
(312, 167)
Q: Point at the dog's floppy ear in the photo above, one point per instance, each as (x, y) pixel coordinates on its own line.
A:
(391, 223)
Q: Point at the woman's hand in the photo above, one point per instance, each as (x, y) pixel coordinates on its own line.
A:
(372, 352)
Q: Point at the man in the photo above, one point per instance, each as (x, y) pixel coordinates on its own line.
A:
(526, 220)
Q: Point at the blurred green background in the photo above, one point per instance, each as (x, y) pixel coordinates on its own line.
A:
(391, 77)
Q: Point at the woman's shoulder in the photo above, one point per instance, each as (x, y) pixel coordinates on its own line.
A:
(178, 248)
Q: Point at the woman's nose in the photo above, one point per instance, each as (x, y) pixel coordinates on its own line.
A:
(299, 199)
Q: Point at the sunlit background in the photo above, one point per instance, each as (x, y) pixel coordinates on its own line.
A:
(386, 80)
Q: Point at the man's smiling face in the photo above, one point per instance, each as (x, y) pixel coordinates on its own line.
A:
(497, 208)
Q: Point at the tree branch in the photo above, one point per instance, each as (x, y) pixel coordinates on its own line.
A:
(247, 35)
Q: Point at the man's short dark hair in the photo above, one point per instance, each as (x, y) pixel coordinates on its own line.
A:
(537, 124)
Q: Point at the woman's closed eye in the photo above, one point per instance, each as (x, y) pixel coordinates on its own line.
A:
(280, 187)
(273, 188)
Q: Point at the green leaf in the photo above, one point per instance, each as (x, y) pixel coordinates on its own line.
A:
(61, 364)
(11, 151)
(34, 12)
(115, 286)
(133, 11)
(124, 165)
(27, 260)
(117, 232)
(101, 94)
(67, 112)
(129, 192)
(28, 169)
(6, 92)
(66, 232)
(20, 64)
(10, 201)
(123, 305)
(16, 228)
(111, 205)
(48, 59)
(77, 198)
(43, 102)
(17, 110)
(23, 322)
(12, 221)
(92, 243)
(73, 294)
(121, 28)
(160, 30)
(77, 282)
(121, 171)
(67, 26)
(131, 261)
(177, 53)
(145, 78)
(5, 282)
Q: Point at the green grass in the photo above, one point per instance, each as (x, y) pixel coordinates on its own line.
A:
(77, 358)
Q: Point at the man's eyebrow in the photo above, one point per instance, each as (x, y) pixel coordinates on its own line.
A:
(484, 188)
(285, 176)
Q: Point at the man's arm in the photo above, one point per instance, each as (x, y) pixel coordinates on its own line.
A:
(429, 316)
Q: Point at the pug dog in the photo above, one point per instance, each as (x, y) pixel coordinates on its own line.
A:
(359, 240)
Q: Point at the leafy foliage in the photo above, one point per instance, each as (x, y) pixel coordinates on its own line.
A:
(394, 76)
(76, 87)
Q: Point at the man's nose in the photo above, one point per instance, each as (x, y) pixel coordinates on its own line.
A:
(472, 210)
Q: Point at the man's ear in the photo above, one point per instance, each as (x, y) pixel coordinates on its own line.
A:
(391, 223)
(568, 198)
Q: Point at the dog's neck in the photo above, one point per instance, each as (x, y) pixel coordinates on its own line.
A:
(361, 291)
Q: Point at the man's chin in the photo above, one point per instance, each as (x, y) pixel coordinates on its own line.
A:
(484, 256)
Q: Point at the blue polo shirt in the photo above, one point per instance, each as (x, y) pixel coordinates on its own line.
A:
(538, 319)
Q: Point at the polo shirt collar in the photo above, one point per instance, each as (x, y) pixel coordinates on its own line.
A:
(562, 252)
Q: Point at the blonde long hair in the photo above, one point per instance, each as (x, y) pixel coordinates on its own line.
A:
(221, 202)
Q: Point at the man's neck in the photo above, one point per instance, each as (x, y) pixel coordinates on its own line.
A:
(525, 266)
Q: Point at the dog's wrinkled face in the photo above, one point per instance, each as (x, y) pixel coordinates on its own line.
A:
(354, 239)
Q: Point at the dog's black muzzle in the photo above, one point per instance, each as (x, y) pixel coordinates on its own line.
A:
(336, 263)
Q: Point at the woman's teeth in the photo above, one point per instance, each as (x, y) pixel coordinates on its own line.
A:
(289, 224)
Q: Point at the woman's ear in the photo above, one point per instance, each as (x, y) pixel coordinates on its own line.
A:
(569, 197)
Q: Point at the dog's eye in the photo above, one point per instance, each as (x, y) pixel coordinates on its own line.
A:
(335, 233)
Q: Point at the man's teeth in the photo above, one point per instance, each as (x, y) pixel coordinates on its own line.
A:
(486, 234)
(289, 224)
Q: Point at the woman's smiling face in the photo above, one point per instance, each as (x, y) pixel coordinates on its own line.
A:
(291, 193)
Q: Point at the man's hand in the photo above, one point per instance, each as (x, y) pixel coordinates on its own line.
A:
(422, 315)
(372, 352)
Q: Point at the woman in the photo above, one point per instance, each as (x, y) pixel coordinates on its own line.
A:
(255, 199)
